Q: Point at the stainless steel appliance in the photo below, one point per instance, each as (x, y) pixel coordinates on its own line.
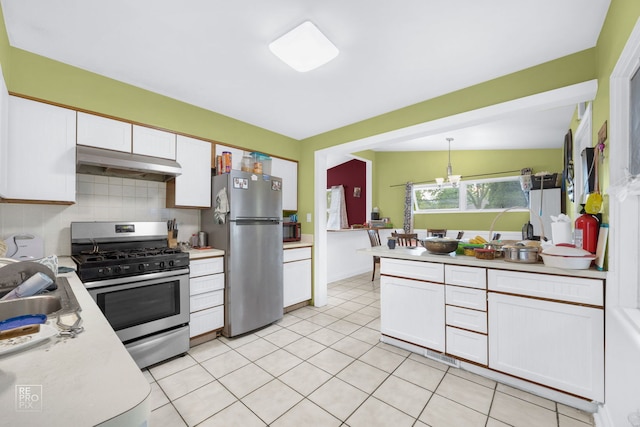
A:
(245, 221)
(140, 284)
(291, 232)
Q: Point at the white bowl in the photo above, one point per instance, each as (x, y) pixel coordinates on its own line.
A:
(568, 262)
(568, 251)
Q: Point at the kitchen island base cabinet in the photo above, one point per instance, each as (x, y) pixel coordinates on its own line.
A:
(413, 311)
(556, 344)
(467, 345)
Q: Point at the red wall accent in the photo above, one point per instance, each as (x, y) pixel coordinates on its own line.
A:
(350, 175)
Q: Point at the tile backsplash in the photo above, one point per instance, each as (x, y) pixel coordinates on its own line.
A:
(98, 198)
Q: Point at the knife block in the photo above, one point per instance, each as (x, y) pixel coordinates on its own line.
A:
(172, 238)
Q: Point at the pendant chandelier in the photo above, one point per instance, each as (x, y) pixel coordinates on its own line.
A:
(452, 179)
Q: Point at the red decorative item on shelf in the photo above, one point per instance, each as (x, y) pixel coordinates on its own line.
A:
(589, 226)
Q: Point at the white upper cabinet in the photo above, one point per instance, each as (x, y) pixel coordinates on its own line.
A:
(288, 171)
(154, 142)
(41, 152)
(102, 132)
(193, 187)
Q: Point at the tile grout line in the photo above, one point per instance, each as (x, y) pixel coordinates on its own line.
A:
(354, 290)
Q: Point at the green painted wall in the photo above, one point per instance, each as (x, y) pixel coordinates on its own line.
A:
(595, 63)
(39, 77)
(393, 168)
(562, 72)
(621, 18)
(43, 78)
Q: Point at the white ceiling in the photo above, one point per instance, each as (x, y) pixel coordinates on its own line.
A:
(542, 129)
(214, 54)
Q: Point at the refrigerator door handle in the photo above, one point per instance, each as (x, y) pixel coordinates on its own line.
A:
(256, 219)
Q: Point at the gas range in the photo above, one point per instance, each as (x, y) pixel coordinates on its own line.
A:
(101, 265)
(109, 250)
(138, 282)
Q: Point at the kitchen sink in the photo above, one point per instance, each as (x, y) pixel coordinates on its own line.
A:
(61, 300)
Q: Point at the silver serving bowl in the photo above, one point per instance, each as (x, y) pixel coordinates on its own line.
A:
(440, 245)
(520, 253)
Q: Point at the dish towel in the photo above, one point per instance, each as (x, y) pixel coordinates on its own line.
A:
(222, 206)
(337, 209)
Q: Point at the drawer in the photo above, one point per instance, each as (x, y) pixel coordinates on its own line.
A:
(467, 345)
(202, 267)
(466, 297)
(433, 272)
(472, 277)
(296, 254)
(561, 288)
(198, 285)
(206, 320)
(465, 318)
(206, 300)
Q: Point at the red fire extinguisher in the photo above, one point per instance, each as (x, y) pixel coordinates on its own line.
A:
(587, 225)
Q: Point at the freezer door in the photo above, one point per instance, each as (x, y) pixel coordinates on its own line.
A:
(254, 196)
(254, 286)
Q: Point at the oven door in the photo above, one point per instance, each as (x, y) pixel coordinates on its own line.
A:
(138, 306)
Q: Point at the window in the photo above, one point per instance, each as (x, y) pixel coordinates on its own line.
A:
(471, 196)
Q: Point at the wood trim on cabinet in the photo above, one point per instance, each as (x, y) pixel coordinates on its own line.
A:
(237, 147)
(37, 202)
(559, 301)
(133, 122)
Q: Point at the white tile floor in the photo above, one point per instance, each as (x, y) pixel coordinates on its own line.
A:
(326, 367)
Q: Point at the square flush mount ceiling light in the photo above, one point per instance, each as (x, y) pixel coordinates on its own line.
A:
(304, 48)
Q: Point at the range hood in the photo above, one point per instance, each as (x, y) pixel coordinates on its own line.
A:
(98, 161)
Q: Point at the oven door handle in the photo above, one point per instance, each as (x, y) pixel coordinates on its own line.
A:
(137, 278)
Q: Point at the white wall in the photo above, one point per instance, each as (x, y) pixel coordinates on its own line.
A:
(98, 198)
(342, 259)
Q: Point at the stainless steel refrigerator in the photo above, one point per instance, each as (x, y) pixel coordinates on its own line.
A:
(245, 220)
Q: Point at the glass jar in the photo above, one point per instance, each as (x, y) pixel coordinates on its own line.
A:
(247, 163)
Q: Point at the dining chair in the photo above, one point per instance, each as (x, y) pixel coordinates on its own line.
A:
(374, 239)
(436, 232)
(406, 239)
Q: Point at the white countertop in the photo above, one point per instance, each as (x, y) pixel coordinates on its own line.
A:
(293, 245)
(421, 254)
(204, 253)
(208, 253)
(85, 381)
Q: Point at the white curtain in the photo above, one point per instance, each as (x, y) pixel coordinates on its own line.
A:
(337, 209)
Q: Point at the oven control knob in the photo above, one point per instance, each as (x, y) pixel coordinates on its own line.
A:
(106, 271)
(171, 263)
(141, 267)
(162, 264)
(117, 270)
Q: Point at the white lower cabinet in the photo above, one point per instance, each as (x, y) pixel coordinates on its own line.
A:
(413, 311)
(466, 312)
(206, 290)
(296, 276)
(552, 343)
(543, 328)
(207, 320)
(467, 345)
